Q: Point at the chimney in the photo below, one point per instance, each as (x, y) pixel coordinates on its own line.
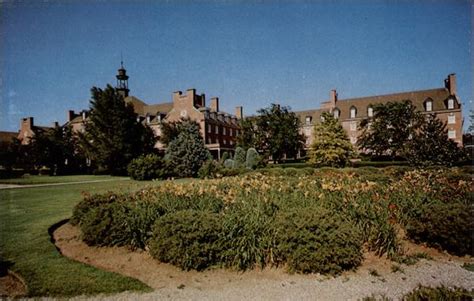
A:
(27, 123)
(84, 115)
(191, 92)
(55, 124)
(333, 98)
(239, 112)
(450, 84)
(70, 115)
(214, 104)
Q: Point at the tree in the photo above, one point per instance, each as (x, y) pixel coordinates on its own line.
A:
(330, 146)
(430, 145)
(247, 136)
(55, 148)
(274, 133)
(113, 137)
(187, 153)
(471, 127)
(239, 157)
(389, 130)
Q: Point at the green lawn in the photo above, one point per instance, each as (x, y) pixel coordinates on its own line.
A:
(27, 179)
(25, 216)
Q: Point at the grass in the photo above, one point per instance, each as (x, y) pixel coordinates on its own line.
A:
(25, 216)
(28, 179)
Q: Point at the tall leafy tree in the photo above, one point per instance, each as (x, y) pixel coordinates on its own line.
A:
(248, 133)
(55, 148)
(113, 137)
(430, 145)
(389, 130)
(275, 132)
(331, 146)
(186, 153)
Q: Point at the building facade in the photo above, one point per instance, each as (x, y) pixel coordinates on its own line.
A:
(220, 129)
(444, 102)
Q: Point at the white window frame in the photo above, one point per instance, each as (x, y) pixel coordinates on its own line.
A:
(452, 134)
(308, 119)
(353, 126)
(336, 113)
(209, 128)
(429, 106)
(370, 112)
(451, 119)
(223, 131)
(450, 104)
(353, 112)
(217, 129)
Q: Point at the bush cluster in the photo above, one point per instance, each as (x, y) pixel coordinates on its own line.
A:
(308, 220)
(147, 167)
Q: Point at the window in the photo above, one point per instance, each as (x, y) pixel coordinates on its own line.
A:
(308, 119)
(225, 142)
(209, 128)
(450, 103)
(451, 119)
(223, 131)
(353, 112)
(217, 129)
(429, 105)
(451, 134)
(230, 132)
(370, 112)
(353, 126)
(336, 113)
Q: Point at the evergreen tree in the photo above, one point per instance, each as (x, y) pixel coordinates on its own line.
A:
(113, 137)
(431, 145)
(389, 130)
(239, 157)
(330, 146)
(187, 153)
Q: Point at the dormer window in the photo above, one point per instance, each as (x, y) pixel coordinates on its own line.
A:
(308, 119)
(370, 112)
(429, 105)
(450, 104)
(336, 113)
(353, 112)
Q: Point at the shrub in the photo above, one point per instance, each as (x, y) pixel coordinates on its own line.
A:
(247, 234)
(444, 225)
(210, 170)
(439, 293)
(147, 167)
(239, 157)
(187, 239)
(90, 202)
(229, 163)
(252, 159)
(316, 240)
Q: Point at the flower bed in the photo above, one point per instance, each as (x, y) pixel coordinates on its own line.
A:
(308, 220)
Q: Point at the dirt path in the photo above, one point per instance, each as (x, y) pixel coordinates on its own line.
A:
(170, 283)
(15, 186)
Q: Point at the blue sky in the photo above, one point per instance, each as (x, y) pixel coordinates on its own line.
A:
(247, 53)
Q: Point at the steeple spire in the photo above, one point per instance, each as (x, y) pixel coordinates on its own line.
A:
(122, 79)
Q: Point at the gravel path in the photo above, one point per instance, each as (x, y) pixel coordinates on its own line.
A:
(299, 287)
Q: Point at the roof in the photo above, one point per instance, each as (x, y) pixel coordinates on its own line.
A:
(416, 97)
(137, 104)
(8, 136)
(142, 109)
(439, 96)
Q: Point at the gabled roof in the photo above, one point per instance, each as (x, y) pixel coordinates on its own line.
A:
(8, 136)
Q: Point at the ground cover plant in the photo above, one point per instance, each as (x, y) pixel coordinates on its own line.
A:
(25, 217)
(309, 220)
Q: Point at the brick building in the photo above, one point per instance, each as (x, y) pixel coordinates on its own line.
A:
(218, 129)
(442, 101)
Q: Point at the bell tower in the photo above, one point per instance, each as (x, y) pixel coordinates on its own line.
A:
(122, 81)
